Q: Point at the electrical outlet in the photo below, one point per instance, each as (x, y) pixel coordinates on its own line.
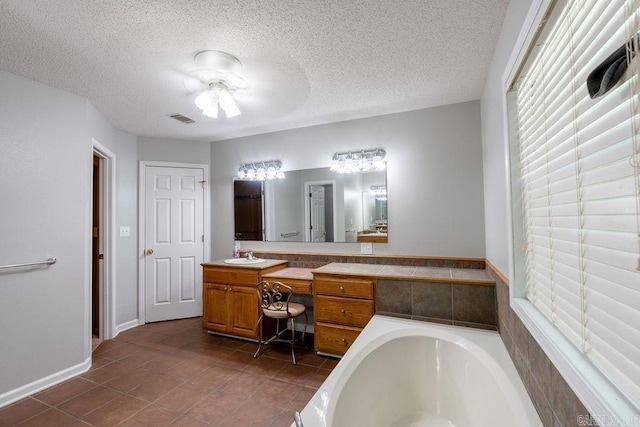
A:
(366, 248)
(125, 231)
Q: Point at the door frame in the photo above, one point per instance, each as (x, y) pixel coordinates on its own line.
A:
(107, 231)
(142, 194)
(307, 208)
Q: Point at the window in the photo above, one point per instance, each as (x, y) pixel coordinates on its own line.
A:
(576, 184)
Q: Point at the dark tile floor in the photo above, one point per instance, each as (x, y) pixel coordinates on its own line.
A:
(175, 374)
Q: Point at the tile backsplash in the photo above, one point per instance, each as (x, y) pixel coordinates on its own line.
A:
(556, 403)
(314, 260)
(441, 302)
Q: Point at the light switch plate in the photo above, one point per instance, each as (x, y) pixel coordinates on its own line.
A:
(125, 231)
(366, 248)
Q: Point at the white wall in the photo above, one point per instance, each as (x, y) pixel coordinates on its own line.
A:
(434, 178)
(45, 192)
(495, 145)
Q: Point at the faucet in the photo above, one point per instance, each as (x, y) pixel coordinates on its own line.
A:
(250, 254)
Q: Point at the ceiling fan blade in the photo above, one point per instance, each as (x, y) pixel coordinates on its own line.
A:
(194, 84)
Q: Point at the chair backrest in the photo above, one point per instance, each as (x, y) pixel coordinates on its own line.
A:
(274, 296)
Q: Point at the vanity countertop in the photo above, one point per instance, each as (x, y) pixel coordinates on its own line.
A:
(402, 272)
(268, 263)
(291, 273)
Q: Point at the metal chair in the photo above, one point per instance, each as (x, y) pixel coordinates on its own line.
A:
(274, 303)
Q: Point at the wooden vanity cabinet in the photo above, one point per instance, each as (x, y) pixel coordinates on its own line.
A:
(230, 301)
(343, 305)
(230, 309)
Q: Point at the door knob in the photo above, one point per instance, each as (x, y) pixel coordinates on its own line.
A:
(149, 251)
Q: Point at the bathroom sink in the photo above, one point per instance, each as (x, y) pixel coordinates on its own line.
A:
(243, 261)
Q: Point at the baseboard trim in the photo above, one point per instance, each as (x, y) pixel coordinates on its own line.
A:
(125, 326)
(46, 382)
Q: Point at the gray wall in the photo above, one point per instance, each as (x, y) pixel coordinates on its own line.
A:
(434, 178)
(173, 150)
(494, 144)
(124, 146)
(45, 188)
(44, 165)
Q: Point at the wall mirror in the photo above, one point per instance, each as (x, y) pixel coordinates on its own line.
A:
(313, 205)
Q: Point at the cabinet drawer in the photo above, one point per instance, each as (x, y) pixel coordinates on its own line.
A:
(334, 339)
(344, 286)
(297, 286)
(346, 311)
(232, 276)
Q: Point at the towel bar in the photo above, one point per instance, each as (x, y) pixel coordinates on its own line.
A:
(27, 264)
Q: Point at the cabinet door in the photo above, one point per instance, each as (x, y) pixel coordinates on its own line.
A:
(216, 307)
(244, 311)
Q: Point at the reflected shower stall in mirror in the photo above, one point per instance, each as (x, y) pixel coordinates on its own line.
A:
(313, 205)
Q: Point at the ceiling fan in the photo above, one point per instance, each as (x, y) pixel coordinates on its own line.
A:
(219, 72)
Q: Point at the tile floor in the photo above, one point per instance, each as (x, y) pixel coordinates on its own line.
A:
(174, 374)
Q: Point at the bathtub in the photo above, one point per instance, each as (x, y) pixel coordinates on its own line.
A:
(408, 373)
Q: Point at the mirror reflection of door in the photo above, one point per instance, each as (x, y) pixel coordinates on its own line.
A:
(317, 210)
(248, 210)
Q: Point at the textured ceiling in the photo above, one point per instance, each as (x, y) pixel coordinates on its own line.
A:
(308, 61)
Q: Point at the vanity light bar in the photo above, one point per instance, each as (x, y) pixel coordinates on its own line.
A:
(359, 161)
(259, 171)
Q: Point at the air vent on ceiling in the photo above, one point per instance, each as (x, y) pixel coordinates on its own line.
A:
(181, 118)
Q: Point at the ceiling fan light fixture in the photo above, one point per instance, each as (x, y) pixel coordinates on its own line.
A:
(207, 101)
(219, 70)
(227, 103)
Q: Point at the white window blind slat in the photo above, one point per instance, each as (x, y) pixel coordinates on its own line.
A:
(616, 293)
(621, 276)
(597, 37)
(626, 242)
(609, 223)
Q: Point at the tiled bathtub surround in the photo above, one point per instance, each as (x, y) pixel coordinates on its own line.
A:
(443, 302)
(312, 260)
(554, 400)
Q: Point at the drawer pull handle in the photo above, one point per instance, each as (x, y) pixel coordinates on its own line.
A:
(342, 311)
(342, 288)
(344, 340)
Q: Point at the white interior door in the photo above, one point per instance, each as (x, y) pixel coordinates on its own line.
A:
(316, 194)
(174, 242)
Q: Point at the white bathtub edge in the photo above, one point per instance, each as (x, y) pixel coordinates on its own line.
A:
(487, 345)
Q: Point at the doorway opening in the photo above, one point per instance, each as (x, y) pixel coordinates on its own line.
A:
(247, 201)
(100, 298)
(320, 211)
(96, 254)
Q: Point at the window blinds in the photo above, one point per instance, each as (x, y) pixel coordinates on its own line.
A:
(580, 185)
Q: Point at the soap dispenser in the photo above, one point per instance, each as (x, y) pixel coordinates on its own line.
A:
(236, 250)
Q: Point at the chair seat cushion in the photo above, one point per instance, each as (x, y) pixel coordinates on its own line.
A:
(295, 309)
